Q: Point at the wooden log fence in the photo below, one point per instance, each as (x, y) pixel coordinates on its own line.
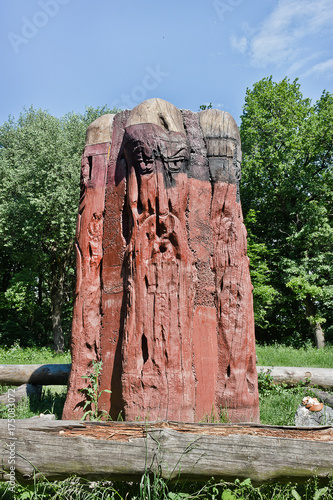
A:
(57, 374)
(50, 374)
(321, 377)
(22, 391)
(177, 451)
(125, 451)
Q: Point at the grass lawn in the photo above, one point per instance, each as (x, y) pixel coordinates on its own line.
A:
(17, 355)
(281, 355)
(268, 355)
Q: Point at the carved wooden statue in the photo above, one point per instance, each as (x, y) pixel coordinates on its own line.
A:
(163, 296)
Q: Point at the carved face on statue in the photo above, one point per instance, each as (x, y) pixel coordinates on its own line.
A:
(161, 273)
(149, 148)
(157, 162)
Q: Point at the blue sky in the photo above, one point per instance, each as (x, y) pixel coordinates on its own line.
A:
(62, 55)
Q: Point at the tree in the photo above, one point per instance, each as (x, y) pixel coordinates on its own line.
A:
(287, 201)
(40, 169)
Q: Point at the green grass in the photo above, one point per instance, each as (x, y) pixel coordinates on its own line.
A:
(268, 355)
(281, 355)
(17, 355)
(51, 401)
(278, 403)
(155, 488)
(280, 409)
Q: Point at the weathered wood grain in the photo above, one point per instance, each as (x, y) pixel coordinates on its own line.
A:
(117, 450)
(159, 279)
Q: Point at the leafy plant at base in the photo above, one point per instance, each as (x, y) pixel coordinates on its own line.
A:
(92, 393)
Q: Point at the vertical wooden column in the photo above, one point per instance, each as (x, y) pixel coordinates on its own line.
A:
(85, 342)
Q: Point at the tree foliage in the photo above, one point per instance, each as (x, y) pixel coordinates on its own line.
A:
(287, 199)
(40, 159)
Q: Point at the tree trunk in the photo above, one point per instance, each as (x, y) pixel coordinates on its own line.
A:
(315, 325)
(59, 264)
(318, 335)
(57, 293)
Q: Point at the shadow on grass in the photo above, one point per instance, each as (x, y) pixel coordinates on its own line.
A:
(51, 401)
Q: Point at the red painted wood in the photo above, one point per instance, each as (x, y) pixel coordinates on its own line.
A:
(164, 296)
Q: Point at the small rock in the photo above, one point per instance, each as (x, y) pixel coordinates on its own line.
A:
(307, 418)
(46, 416)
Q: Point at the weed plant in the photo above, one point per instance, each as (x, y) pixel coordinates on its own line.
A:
(92, 394)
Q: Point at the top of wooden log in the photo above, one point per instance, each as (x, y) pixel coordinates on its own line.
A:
(100, 130)
(220, 132)
(51, 374)
(124, 431)
(157, 112)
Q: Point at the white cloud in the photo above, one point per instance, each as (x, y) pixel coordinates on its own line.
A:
(300, 63)
(282, 35)
(321, 69)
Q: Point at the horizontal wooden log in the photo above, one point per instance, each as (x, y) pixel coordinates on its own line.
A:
(322, 377)
(51, 374)
(57, 374)
(125, 451)
(325, 397)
